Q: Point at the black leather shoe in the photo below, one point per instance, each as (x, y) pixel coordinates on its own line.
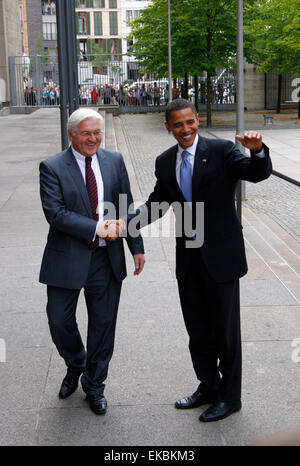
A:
(98, 403)
(196, 399)
(220, 410)
(68, 386)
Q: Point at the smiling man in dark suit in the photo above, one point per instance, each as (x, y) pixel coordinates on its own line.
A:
(84, 251)
(201, 170)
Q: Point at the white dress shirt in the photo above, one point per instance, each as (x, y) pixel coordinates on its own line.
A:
(80, 159)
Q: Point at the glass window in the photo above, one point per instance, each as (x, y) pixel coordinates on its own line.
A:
(90, 4)
(49, 31)
(112, 4)
(52, 55)
(114, 47)
(45, 31)
(113, 23)
(129, 15)
(82, 23)
(54, 31)
(98, 23)
(99, 3)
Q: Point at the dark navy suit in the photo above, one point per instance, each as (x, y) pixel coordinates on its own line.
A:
(208, 276)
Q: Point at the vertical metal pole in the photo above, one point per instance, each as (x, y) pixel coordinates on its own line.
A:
(240, 120)
(12, 81)
(70, 28)
(38, 79)
(75, 60)
(70, 58)
(62, 63)
(169, 51)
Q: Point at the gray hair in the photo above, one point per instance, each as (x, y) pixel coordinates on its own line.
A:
(80, 115)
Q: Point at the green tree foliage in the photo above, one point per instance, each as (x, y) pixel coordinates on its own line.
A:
(203, 38)
(39, 50)
(272, 37)
(203, 35)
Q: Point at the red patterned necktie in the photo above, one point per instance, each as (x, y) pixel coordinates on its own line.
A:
(91, 187)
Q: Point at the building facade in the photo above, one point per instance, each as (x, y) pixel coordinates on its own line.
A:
(130, 9)
(24, 27)
(99, 27)
(49, 28)
(39, 34)
(10, 43)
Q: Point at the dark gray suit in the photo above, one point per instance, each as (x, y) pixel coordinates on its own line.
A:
(69, 264)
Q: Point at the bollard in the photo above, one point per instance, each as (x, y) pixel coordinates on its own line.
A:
(269, 119)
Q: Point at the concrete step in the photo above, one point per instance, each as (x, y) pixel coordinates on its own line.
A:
(278, 252)
(110, 137)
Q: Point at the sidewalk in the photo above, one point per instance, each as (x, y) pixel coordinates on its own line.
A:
(151, 365)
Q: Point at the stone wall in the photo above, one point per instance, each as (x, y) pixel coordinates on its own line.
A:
(10, 43)
(34, 23)
(254, 85)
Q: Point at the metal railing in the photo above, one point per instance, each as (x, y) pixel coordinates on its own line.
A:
(108, 80)
(287, 90)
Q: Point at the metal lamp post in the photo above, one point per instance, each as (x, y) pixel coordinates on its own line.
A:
(240, 118)
(169, 51)
(67, 63)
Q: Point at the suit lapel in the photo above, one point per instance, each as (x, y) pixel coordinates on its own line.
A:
(200, 164)
(105, 173)
(76, 174)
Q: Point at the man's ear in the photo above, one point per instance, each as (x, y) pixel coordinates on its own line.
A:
(168, 127)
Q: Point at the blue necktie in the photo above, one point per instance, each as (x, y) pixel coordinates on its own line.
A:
(186, 176)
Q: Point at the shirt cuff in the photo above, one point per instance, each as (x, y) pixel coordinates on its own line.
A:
(94, 237)
(260, 154)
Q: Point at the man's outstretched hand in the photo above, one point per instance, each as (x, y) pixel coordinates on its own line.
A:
(252, 140)
(110, 230)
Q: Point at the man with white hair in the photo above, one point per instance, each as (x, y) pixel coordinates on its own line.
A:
(84, 250)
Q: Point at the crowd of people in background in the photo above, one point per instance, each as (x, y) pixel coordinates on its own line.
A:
(30, 96)
(136, 94)
(49, 95)
(225, 93)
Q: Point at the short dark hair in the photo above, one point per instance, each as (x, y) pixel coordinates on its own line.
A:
(178, 104)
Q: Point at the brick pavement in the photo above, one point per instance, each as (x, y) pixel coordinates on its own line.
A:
(279, 199)
(145, 145)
